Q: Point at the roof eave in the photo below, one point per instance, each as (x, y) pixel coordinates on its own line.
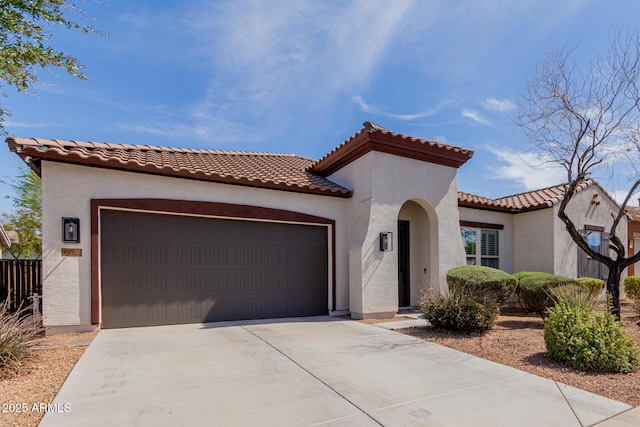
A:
(53, 155)
(386, 142)
(502, 209)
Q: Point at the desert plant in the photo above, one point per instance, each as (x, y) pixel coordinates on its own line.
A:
(589, 340)
(482, 284)
(632, 287)
(594, 285)
(533, 290)
(458, 313)
(18, 333)
(575, 295)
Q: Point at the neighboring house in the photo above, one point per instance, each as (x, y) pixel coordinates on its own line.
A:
(634, 237)
(522, 232)
(5, 242)
(137, 235)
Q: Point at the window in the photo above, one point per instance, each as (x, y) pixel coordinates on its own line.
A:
(488, 255)
(598, 241)
(489, 243)
(469, 243)
(594, 239)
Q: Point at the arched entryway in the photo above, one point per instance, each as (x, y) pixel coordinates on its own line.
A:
(417, 251)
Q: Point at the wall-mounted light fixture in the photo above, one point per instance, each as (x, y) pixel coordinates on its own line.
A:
(630, 244)
(70, 230)
(386, 241)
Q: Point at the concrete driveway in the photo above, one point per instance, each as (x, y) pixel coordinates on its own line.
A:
(301, 372)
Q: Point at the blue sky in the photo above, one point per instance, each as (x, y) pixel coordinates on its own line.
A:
(301, 77)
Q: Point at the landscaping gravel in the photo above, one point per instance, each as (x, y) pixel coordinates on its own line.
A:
(518, 341)
(27, 389)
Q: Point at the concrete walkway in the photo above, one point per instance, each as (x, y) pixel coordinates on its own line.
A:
(302, 372)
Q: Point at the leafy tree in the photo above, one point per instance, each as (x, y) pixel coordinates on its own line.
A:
(24, 41)
(26, 218)
(585, 119)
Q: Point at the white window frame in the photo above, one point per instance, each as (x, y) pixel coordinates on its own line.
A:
(476, 259)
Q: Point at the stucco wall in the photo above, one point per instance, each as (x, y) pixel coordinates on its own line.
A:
(533, 241)
(68, 189)
(419, 250)
(505, 236)
(582, 212)
(382, 183)
(633, 231)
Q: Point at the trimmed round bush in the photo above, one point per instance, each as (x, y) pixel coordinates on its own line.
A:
(594, 285)
(632, 287)
(588, 340)
(533, 290)
(482, 284)
(458, 313)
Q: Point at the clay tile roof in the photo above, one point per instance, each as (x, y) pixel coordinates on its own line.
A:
(521, 202)
(266, 170)
(373, 137)
(634, 212)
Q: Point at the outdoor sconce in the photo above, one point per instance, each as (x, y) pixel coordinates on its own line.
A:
(70, 230)
(630, 244)
(386, 241)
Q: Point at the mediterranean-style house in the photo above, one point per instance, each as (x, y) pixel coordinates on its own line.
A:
(137, 235)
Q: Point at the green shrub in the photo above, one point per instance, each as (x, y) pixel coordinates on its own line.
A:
(594, 285)
(18, 332)
(533, 290)
(632, 287)
(576, 296)
(482, 284)
(458, 313)
(589, 340)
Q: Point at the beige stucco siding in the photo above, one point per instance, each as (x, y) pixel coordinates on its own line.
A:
(382, 183)
(68, 189)
(505, 236)
(582, 212)
(533, 241)
(420, 250)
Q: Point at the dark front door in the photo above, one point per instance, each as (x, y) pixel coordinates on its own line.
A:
(403, 264)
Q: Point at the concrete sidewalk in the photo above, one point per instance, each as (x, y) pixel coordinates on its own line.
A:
(301, 372)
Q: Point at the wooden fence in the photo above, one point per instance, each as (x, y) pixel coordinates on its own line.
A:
(19, 280)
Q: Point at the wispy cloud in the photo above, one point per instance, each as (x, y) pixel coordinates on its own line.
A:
(381, 111)
(265, 55)
(201, 126)
(530, 170)
(620, 195)
(475, 116)
(501, 105)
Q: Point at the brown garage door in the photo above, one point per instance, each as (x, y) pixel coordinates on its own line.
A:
(165, 269)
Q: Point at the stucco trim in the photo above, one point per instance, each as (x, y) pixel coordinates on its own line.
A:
(188, 207)
(4, 238)
(390, 143)
(488, 225)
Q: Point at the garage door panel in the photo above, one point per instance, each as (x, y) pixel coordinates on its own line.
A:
(162, 269)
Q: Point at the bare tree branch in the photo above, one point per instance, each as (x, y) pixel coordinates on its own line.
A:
(587, 119)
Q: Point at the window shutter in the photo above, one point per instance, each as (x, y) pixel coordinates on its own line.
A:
(604, 244)
(582, 258)
(604, 250)
(489, 243)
